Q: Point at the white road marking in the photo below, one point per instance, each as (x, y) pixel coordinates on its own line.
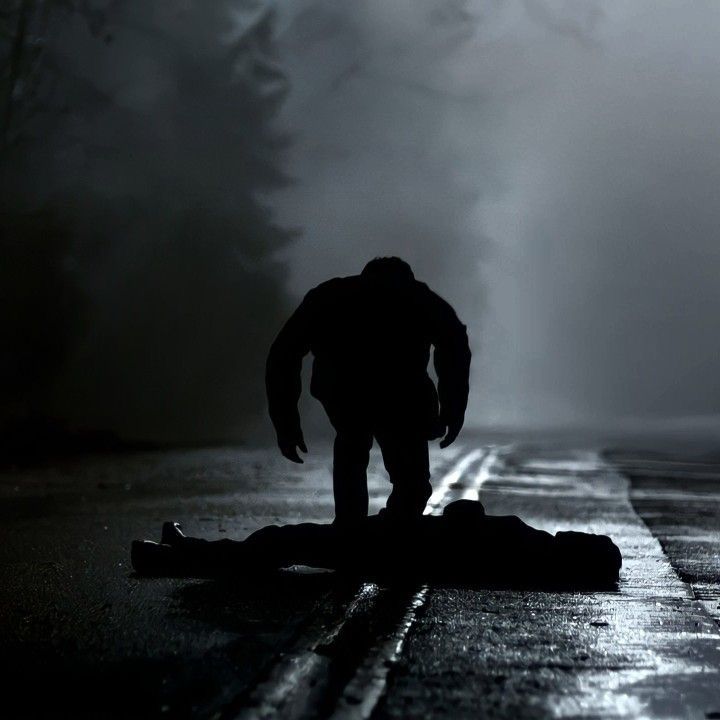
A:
(370, 680)
(654, 655)
(361, 694)
(285, 692)
(454, 476)
(483, 473)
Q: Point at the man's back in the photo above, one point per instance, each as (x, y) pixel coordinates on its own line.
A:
(371, 335)
(371, 341)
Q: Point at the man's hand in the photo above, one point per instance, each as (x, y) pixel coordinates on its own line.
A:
(290, 444)
(453, 430)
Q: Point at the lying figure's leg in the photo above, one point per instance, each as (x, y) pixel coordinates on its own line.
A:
(182, 556)
(267, 549)
(463, 545)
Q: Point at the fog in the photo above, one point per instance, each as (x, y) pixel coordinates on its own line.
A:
(176, 176)
(136, 166)
(550, 167)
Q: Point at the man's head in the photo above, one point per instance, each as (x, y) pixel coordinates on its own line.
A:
(388, 270)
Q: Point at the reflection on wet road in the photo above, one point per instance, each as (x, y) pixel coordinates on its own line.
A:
(100, 642)
(646, 651)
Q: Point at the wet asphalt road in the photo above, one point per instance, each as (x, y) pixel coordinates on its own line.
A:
(82, 637)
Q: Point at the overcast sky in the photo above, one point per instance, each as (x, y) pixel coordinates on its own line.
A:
(551, 167)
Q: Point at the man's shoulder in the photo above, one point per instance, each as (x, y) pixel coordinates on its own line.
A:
(334, 287)
(438, 308)
(427, 295)
(422, 288)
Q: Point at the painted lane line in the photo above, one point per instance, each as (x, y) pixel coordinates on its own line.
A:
(453, 477)
(287, 690)
(483, 473)
(363, 692)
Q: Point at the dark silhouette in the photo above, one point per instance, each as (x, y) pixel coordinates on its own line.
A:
(370, 335)
(462, 545)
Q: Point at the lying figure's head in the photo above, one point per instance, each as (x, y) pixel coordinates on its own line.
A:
(390, 270)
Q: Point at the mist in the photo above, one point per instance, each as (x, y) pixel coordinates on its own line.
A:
(139, 150)
(549, 167)
(175, 176)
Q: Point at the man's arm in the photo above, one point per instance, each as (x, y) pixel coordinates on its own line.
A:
(283, 380)
(452, 366)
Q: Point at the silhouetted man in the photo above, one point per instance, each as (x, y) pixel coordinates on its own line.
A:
(370, 335)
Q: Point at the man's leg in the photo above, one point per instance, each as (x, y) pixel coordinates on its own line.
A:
(407, 462)
(351, 455)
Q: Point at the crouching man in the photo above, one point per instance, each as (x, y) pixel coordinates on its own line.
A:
(371, 336)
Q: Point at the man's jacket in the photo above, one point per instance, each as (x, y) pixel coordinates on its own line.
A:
(371, 345)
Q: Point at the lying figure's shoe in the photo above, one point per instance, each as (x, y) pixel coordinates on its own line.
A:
(172, 533)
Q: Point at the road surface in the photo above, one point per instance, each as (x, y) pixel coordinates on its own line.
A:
(82, 637)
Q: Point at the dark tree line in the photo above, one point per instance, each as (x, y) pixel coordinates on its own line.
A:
(139, 282)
